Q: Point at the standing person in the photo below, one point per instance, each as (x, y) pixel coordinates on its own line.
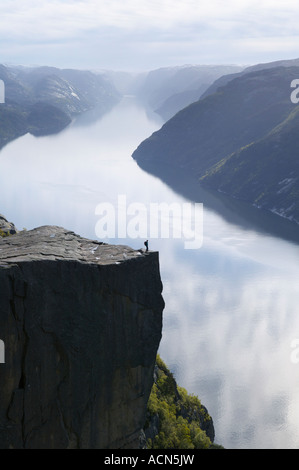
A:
(146, 245)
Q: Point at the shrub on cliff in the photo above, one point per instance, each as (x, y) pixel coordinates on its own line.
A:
(6, 228)
(178, 416)
(5, 233)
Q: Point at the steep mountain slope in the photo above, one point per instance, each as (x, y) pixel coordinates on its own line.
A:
(224, 79)
(44, 100)
(207, 138)
(73, 91)
(264, 173)
(170, 89)
(179, 101)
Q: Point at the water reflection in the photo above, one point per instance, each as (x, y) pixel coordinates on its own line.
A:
(231, 307)
(234, 211)
(234, 323)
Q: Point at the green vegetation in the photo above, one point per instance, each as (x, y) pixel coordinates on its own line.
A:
(264, 172)
(181, 416)
(3, 233)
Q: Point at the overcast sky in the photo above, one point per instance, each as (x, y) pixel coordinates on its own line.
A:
(147, 34)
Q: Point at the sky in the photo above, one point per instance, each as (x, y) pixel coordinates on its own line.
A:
(140, 35)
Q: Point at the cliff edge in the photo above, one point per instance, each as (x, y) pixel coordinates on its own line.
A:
(81, 322)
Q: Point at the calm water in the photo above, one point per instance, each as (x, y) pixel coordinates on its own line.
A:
(231, 306)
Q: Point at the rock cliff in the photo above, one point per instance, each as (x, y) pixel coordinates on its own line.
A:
(81, 322)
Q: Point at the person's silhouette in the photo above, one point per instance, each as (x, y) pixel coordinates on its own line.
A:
(146, 245)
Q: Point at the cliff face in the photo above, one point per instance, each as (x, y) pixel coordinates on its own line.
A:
(81, 322)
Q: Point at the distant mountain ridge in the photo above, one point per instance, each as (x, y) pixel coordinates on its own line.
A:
(241, 139)
(43, 100)
(224, 79)
(169, 89)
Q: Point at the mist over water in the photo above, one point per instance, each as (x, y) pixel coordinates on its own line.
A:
(231, 306)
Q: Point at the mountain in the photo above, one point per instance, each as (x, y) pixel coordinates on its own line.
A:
(224, 79)
(170, 89)
(265, 172)
(44, 100)
(72, 91)
(241, 139)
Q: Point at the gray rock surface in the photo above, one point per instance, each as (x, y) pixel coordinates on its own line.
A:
(81, 322)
